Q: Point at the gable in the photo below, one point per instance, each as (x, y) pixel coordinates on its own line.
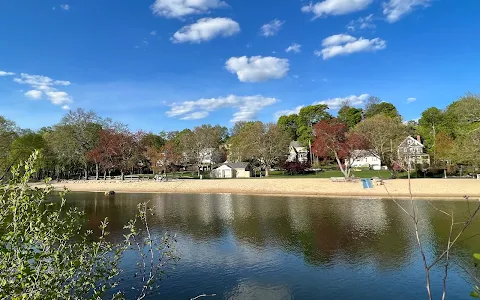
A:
(410, 142)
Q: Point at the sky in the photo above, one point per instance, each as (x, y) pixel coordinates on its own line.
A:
(172, 64)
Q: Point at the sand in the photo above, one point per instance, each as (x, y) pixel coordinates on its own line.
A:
(398, 188)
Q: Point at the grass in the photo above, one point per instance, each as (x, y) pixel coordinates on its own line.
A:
(334, 173)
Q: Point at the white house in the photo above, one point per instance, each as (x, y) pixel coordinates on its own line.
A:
(364, 159)
(232, 170)
(297, 153)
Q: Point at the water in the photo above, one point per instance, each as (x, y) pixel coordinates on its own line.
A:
(257, 247)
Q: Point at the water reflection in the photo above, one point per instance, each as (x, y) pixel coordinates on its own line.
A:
(253, 247)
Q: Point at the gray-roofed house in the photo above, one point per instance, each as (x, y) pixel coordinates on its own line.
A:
(297, 153)
(233, 170)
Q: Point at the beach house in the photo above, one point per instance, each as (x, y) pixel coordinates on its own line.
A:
(411, 152)
(297, 153)
(233, 170)
(364, 159)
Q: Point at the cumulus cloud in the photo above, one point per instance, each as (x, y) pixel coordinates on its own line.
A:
(272, 28)
(257, 68)
(411, 99)
(335, 7)
(206, 29)
(153, 32)
(66, 107)
(287, 112)
(43, 86)
(361, 23)
(247, 107)
(344, 44)
(33, 94)
(4, 73)
(352, 100)
(394, 10)
(182, 8)
(296, 48)
(65, 6)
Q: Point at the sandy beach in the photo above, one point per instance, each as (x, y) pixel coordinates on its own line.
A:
(421, 188)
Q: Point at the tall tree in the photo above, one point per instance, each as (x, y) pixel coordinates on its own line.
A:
(202, 143)
(333, 140)
(289, 124)
(374, 107)
(8, 133)
(265, 144)
(464, 114)
(23, 146)
(383, 134)
(82, 132)
(307, 118)
(350, 115)
(430, 124)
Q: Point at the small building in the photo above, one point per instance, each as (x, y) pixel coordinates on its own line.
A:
(233, 170)
(297, 153)
(411, 152)
(364, 159)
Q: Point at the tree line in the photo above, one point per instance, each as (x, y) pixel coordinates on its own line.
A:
(84, 144)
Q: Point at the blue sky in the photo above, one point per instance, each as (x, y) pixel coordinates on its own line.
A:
(171, 64)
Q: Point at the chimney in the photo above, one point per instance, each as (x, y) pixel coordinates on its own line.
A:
(419, 139)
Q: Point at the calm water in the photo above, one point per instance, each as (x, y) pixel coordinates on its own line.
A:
(257, 247)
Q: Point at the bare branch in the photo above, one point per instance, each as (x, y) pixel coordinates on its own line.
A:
(203, 295)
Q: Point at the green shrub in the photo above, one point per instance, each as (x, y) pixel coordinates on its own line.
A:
(45, 253)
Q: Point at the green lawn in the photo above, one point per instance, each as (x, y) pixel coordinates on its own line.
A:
(334, 173)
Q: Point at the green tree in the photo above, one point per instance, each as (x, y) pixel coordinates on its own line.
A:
(81, 131)
(375, 107)
(264, 144)
(202, 143)
(46, 253)
(432, 122)
(383, 134)
(463, 115)
(307, 117)
(8, 133)
(289, 124)
(23, 146)
(350, 115)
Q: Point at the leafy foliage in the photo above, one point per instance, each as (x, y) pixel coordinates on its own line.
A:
(47, 255)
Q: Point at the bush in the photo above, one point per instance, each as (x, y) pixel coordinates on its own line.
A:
(294, 168)
(45, 253)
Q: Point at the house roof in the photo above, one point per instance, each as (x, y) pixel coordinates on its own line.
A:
(240, 165)
(409, 141)
(295, 144)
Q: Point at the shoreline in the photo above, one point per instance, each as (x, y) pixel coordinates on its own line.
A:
(435, 189)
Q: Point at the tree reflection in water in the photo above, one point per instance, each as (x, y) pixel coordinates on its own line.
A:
(257, 247)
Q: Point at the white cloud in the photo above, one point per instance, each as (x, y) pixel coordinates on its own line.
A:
(181, 8)
(153, 32)
(343, 44)
(4, 73)
(272, 28)
(294, 48)
(335, 7)
(66, 107)
(206, 29)
(247, 107)
(352, 100)
(394, 10)
(411, 99)
(33, 94)
(288, 112)
(45, 86)
(257, 68)
(361, 23)
(65, 6)
(337, 39)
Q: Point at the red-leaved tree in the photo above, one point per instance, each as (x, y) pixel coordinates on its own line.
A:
(333, 140)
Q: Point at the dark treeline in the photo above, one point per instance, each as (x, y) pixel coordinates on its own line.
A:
(84, 144)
